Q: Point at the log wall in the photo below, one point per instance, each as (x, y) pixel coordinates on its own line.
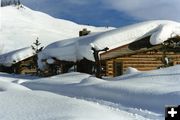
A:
(26, 66)
(142, 61)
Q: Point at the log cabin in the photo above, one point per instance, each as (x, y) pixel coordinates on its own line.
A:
(26, 66)
(141, 55)
(21, 61)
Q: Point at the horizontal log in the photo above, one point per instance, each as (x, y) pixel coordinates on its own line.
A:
(146, 56)
(176, 62)
(142, 62)
(142, 65)
(25, 71)
(110, 72)
(109, 60)
(110, 69)
(136, 59)
(109, 64)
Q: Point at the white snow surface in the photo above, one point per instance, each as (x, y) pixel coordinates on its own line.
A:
(19, 28)
(149, 90)
(78, 48)
(77, 96)
(8, 59)
(39, 105)
(131, 70)
(8, 86)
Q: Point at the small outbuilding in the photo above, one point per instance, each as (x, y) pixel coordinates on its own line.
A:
(21, 61)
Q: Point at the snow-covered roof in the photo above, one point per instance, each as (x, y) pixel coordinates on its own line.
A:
(13, 57)
(78, 48)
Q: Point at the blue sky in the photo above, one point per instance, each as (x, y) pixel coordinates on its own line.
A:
(108, 12)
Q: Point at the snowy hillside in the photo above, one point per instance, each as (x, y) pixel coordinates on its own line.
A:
(20, 28)
(76, 96)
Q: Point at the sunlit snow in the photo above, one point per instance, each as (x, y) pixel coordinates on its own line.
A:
(78, 48)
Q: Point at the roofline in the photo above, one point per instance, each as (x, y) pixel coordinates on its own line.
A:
(113, 49)
(134, 52)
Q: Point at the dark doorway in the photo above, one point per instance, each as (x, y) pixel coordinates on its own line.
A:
(85, 66)
(118, 68)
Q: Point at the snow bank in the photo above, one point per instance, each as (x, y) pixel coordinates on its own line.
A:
(20, 103)
(13, 57)
(39, 105)
(131, 70)
(144, 90)
(7, 83)
(77, 48)
(21, 27)
(8, 86)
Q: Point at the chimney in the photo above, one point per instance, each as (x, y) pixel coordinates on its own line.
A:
(84, 32)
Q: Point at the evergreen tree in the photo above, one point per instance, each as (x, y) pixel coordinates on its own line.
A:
(36, 48)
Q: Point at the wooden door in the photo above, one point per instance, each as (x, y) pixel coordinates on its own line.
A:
(118, 68)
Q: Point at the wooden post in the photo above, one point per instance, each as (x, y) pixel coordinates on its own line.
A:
(97, 61)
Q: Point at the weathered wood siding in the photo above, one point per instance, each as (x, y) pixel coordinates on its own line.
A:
(142, 61)
(109, 68)
(142, 56)
(26, 66)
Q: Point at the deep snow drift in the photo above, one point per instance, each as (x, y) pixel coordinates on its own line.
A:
(20, 103)
(78, 48)
(146, 90)
(20, 28)
(39, 105)
(134, 96)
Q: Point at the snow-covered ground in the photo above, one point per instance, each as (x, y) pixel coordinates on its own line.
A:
(20, 27)
(77, 96)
